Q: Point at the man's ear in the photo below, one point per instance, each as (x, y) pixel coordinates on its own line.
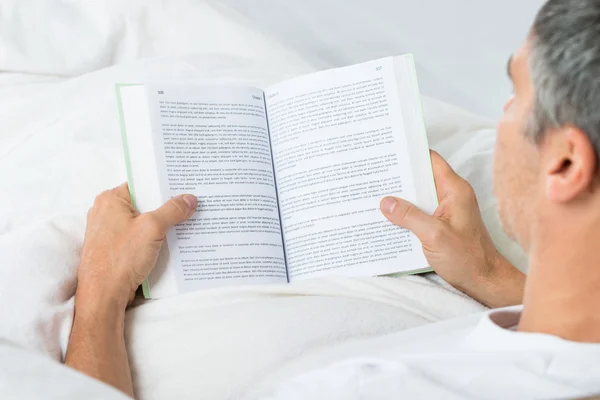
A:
(570, 164)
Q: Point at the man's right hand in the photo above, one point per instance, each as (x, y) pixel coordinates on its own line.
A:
(456, 242)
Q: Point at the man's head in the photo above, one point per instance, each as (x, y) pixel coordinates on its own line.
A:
(548, 142)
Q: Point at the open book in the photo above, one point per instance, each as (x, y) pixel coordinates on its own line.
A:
(288, 178)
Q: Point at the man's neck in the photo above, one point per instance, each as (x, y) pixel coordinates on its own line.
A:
(562, 294)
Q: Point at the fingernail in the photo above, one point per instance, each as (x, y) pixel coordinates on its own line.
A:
(191, 200)
(388, 205)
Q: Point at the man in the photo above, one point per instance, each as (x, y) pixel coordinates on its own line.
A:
(548, 187)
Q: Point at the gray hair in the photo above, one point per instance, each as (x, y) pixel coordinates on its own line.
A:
(565, 68)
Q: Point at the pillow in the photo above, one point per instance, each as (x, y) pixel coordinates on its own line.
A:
(72, 37)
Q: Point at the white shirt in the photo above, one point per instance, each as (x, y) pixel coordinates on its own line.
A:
(473, 357)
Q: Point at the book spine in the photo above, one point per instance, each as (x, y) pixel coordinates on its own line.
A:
(276, 189)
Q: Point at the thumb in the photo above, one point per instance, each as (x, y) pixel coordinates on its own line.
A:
(445, 177)
(175, 211)
(439, 165)
(406, 215)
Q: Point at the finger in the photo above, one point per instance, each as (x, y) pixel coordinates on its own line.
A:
(175, 211)
(122, 191)
(406, 215)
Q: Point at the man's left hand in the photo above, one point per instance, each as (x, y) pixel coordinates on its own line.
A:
(121, 246)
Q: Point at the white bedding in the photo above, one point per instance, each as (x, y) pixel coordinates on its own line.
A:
(60, 145)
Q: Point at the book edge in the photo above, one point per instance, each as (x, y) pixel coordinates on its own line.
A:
(432, 187)
(118, 86)
(409, 60)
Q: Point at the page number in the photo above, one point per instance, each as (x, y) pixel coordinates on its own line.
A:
(378, 68)
(161, 92)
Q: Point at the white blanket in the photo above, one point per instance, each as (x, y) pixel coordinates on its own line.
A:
(60, 146)
(65, 147)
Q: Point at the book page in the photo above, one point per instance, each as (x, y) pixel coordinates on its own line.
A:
(339, 146)
(213, 142)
